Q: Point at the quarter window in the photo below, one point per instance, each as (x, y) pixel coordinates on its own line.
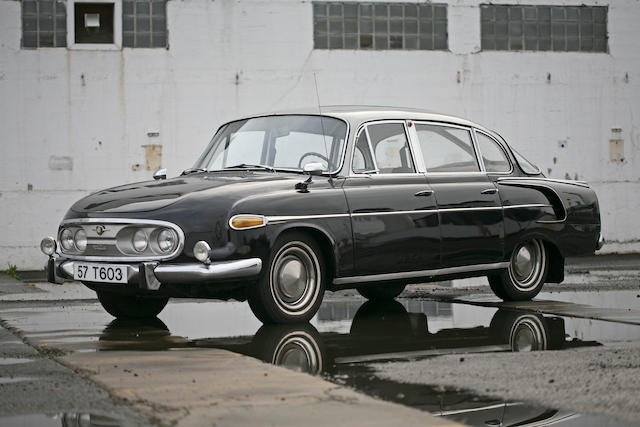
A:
(447, 149)
(494, 158)
(391, 152)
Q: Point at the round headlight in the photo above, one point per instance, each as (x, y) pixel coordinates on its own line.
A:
(66, 239)
(201, 251)
(140, 241)
(167, 240)
(48, 246)
(81, 240)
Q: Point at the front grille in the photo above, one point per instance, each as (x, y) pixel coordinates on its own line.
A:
(110, 239)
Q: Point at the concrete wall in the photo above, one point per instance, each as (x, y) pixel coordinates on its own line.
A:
(74, 121)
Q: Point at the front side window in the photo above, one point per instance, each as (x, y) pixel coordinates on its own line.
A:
(391, 153)
(285, 142)
(494, 158)
(447, 149)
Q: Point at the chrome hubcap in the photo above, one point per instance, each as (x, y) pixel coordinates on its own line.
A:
(527, 334)
(299, 352)
(528, 264)
(292, 279)
(295, 274)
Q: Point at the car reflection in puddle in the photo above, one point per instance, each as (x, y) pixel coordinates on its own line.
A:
(383, 331)
(387, 331)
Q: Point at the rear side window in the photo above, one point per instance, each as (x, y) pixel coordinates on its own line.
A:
(447, 149)
(387, 148)
(494, 157)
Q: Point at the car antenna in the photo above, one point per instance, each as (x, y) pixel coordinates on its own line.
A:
(324, 135)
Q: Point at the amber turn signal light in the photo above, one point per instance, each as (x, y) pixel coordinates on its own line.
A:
(243, 222)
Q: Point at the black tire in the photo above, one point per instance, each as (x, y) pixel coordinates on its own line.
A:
(527, 272)
(381, 292)
(123, 306)
(292, 285)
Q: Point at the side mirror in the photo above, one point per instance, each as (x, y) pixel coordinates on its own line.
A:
(160, 174)
(313, 168)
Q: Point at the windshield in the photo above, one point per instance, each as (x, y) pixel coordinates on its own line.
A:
(278, 142)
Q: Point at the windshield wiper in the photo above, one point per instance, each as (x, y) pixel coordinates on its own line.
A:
(192, 170)
(250, 166)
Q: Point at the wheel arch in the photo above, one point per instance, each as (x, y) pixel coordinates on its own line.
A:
(326, 243)
(555, 258)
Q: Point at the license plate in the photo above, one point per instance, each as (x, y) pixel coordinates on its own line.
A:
(109, 273)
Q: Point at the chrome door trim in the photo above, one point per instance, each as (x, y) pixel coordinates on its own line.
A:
(421, 273)
(284, 218)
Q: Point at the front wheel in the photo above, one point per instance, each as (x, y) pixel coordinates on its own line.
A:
(291, 288)
(526, 274)
(124, 306)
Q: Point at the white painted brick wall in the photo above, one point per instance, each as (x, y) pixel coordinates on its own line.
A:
(230, 58)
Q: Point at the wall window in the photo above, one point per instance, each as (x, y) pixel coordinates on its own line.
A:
(380, 26)
(93, 22)
(557, 28)
(144, 23)
(44, 23)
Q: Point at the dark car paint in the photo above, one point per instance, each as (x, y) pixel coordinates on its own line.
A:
(201, 204)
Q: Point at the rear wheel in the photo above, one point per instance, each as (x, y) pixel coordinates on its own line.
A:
(526, 274)
(381, 292)
(125, 306)
(292, 286)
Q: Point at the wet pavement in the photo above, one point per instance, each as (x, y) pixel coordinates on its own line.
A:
(350, 339)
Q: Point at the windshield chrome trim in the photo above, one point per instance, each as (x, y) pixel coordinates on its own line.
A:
(126, 258)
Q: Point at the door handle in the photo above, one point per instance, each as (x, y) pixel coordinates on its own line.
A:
(489, 191)
(424, 193)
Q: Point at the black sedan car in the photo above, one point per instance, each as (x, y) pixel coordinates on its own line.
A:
(281, 207)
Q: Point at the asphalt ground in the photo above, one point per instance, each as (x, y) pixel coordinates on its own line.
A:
(442, 349)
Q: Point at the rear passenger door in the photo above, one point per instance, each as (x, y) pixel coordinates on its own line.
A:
(470, 212)
(393, 211)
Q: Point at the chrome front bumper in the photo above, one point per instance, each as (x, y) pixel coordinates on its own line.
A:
(150, 275)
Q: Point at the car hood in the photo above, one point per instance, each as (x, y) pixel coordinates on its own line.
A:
(153, 195)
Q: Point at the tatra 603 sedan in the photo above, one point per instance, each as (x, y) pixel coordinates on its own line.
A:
(281, 207)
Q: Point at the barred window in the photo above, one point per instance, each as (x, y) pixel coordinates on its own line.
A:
(557, 28)
(352, 25)
(44, 23)
(144, 23)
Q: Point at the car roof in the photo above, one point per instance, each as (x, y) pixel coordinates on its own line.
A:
(365, 113)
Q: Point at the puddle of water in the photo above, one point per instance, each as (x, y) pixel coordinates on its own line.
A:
(63, 419)
(464, 406)
(13, 360)
(623, 299)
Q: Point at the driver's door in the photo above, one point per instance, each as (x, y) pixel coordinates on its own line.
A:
(393, 212)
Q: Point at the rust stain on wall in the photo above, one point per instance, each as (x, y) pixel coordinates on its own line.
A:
(153, 155)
